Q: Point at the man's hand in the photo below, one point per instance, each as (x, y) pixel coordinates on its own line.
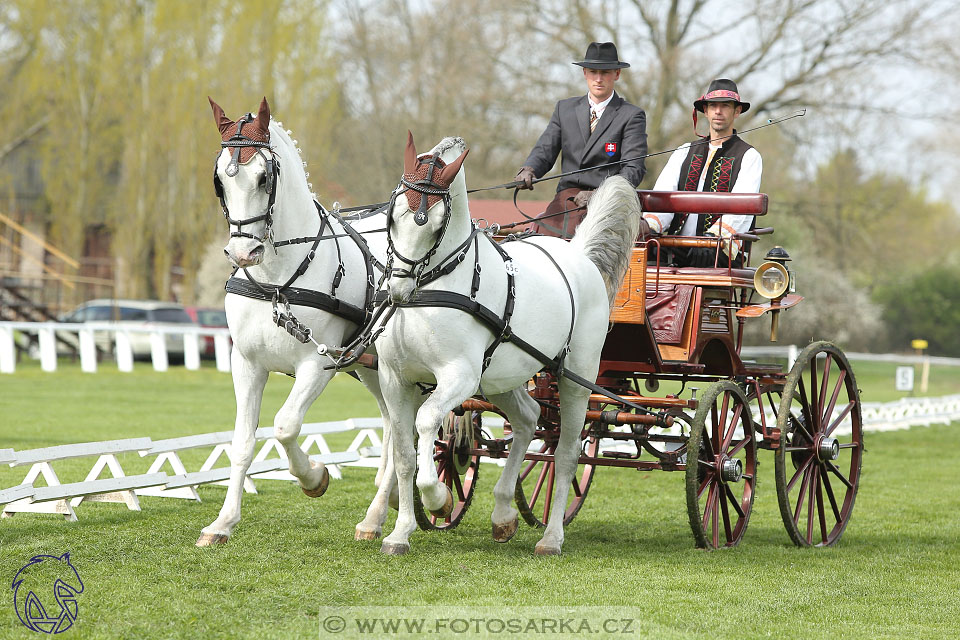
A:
(582, 198)
(525, 177)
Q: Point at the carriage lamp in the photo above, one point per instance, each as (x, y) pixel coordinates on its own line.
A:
(772, 280)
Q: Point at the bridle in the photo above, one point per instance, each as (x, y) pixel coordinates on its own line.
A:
(426, 187)
(237, 142)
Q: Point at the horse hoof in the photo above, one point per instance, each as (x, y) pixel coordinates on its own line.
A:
(363, 534)
(321, 488)
(394, 548)
(545, 550)
(447, 507)
(211, 539)
(503, 532)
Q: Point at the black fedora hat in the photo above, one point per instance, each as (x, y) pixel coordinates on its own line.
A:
(602, 55)
(721, 90)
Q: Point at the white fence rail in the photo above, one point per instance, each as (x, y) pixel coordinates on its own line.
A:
(364, 450)
(119, 339)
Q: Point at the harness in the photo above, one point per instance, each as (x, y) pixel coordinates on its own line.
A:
(499, 325)
(283, 295)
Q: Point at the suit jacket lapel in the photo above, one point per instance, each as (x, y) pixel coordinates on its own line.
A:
(608, 116)
(582, 112)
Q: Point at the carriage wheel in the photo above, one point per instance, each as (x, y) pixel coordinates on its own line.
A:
(534, 492)
(821, 446)
(722, 479)
(457, 469)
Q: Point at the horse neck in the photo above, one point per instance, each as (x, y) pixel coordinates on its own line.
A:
(459, 227)
(294, 216)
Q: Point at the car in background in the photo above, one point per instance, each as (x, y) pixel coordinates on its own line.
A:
(135, 314)
(208, 317)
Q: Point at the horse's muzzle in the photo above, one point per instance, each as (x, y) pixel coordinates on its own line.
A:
(400, 289)
(245, 258)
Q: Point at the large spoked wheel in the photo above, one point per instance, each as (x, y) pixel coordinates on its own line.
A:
(534, 492)
(821, 446)
(722, 479)
(457, 469)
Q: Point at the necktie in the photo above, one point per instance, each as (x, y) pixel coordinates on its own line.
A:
(593, 120)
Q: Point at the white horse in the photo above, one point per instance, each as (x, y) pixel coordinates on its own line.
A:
(280, 239)
(563, 294)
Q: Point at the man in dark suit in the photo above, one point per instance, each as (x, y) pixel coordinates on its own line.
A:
(588, 131)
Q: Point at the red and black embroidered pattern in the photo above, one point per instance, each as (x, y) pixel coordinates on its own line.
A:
(693, 173)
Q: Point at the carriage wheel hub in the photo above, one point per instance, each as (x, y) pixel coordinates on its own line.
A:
(829, 449)
(731, 470)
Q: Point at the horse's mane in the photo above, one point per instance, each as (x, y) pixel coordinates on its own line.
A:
(295, 164)
(448, 143)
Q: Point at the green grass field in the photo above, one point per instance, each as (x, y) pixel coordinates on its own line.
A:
(895, 573)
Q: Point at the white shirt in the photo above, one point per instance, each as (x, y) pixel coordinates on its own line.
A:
(748, 181)
(599, 108)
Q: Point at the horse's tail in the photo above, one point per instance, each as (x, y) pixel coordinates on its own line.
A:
(608, 231)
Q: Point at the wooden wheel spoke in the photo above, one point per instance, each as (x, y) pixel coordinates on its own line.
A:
(731, 427)
(803, 492)
(703, 486)
(715, 423)
(836, 423)
(810, 500)
(461, 494)
(837, 473)
(800, 470)
(538, 486)
(824, 383)
(814, 407)
(548, 499)
(738, 447)
(727, 530)
(820, 511)
(576, 486)
(828, 411)
(833, 499)
(735, 502)
(708, 506)
(716, 520)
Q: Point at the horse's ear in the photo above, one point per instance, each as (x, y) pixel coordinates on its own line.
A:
(223, 122)
(449, 172)
(263, 117)
(410, 156)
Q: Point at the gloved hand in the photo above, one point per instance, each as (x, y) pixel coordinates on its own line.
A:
(582, 198)
(525, 177)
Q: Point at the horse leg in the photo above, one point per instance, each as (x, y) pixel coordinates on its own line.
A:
(310, 381)
(372, 525)
(454, 385)
(522, 411)
(573, 410)
(403, 400)
(248, 383)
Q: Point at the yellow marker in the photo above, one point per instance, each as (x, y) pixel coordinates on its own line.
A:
(918, 344)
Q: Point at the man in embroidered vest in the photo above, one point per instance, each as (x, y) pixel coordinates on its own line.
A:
(588, 131)
(720, 162)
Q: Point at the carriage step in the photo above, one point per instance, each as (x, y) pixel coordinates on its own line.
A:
(620, 455)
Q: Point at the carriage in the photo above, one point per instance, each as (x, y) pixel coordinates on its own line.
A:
(678, 396)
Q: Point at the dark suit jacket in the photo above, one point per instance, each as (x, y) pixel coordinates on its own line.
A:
(568, 133)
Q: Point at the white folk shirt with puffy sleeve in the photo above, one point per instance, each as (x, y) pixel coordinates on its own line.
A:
(748, 181)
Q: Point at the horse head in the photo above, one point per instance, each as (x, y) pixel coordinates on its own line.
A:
(245, 179)
(420, 215)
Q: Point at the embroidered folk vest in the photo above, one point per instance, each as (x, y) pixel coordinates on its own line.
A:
(721, 174)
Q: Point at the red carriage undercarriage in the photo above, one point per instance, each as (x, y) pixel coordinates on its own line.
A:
(683, 328)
